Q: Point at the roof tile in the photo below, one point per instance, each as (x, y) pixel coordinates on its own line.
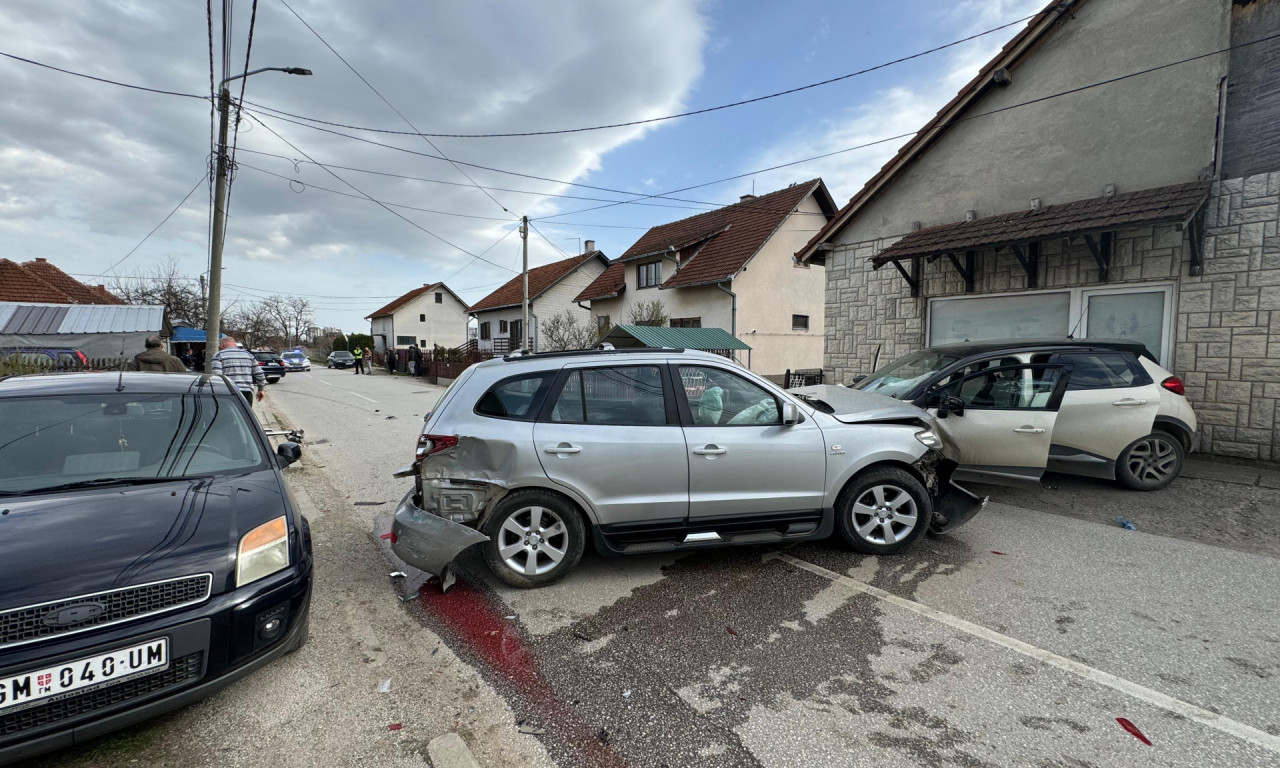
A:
(540, 279)
(78, 291)
(19, 284)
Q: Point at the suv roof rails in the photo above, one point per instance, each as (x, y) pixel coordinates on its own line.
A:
(521, 354)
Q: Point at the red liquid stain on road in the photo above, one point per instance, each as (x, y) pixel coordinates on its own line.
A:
(1133, 730)
(478, 623)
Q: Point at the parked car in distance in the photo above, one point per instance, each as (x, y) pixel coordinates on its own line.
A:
(296, 361)
(340, 358)
(272, 364)
(1009, 409)
(650, 450)
(150, 553)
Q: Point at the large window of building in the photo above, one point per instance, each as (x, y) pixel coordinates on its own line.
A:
(686, 322)
(649, 275)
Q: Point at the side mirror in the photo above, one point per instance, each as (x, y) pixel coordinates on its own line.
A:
(950, 404)
(288, 453)
(855, 380)
(790, 414)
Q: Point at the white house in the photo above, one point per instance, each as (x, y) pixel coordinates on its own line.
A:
(552, 288)
(731, 268)
(424, 317)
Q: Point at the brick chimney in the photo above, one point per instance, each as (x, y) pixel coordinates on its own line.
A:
(745, 198)
(588, 246)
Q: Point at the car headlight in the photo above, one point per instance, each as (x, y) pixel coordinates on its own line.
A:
(929, 439)
(262, 552)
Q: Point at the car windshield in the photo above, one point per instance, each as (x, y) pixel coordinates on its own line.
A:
(69, 440)
(294, 356)
(903, 375)
(341, 354)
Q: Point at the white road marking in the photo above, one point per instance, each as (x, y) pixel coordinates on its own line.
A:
(357, 394)
(322, 381)
(1141, 692)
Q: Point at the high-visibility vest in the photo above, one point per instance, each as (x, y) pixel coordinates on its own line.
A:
(359, 354)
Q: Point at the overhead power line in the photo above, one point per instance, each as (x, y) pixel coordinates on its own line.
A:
(103, 79)
(948, 124)
(362, 193)
(384, 99)
(168, 216)
(650, 120)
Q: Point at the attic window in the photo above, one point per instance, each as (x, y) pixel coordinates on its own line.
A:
(649, 275)
(439, 298)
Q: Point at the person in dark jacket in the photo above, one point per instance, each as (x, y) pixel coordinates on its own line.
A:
(415, 361)
(155, 359)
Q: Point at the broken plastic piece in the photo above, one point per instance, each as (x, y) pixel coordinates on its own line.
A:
(532, 730)
(394, 727)
(996, 553)
(386, 535)
(1126, 524)
(384, 686)
(626, 694)
(390, 417)
(397, 574)
(730, 631)
(509, 618)
(1133, 729)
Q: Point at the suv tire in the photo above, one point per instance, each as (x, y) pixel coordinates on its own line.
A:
(1150, 463)
(882, 504)
(531, 527)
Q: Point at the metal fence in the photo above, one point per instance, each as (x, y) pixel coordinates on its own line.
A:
(801, 377)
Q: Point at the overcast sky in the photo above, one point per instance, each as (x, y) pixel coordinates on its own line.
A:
(88, 169)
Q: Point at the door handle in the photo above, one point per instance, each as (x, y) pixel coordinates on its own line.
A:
(1129, 401)
(1029, 430)
(563, 449)
(710, 450)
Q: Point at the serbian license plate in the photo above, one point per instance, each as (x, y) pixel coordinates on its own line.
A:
(33, 688)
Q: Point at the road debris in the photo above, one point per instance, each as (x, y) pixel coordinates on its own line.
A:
(626, 694)
(369, 503)
(386, 535)
(603, 736)
(996, 553)
(397, 574)
(389, 418)
(532, 730)
(730, 631)
(1126, 524)
(394, 727)
(385, 686)
(1133, 729)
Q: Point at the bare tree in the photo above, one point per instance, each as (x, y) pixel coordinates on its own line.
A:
(649, 313)
(181, 296)
(563, 331)
(254, 325)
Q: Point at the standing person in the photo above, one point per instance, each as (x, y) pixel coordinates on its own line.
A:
(368, 359)
(415, 361)
(358, 353)
(241, 367)
(188, 359)
(391, 360)
(155, 360)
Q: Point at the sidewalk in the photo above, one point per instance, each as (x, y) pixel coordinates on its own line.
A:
(1237, 474)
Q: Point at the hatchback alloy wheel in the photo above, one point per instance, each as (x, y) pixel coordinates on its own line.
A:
(1150, 463)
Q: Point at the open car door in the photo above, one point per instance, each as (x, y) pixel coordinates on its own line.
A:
(997, 423)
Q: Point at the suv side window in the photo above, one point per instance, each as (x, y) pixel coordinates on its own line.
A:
(519, 397)
(617, 396)
(1100, 370)
(717, 397)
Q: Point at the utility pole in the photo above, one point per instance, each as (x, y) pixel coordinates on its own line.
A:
(214, 315)
(524, 322)
(221, 182)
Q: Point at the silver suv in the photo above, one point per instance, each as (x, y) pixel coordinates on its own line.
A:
(654, 450)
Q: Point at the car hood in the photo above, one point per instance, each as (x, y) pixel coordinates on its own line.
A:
(853, 406)
(59, 545)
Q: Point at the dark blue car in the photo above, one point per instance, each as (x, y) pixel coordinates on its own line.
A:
(150, 552)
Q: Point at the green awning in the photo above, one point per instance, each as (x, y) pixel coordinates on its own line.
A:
(678, 338)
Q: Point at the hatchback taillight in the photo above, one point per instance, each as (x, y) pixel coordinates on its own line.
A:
(1174, 385)
(429, 444)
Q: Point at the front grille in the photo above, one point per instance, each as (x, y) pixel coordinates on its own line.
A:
(26, 625)
(183, 670)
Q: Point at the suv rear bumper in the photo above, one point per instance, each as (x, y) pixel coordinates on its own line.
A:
(429, 542)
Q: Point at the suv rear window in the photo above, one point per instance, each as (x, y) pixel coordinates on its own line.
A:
(519, 397)
(621, 396)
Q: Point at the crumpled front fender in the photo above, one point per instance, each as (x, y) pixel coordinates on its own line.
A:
(428, 542)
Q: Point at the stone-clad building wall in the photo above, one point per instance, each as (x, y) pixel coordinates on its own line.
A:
(1228, 349)
(1227, 330)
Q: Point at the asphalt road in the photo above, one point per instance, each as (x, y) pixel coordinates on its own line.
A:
(1018, 640)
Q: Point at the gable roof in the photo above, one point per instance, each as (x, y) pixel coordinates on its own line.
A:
(19, 284)
(78, 291)
(659, 337)
(1079, 217)
(396, 304)
(726, 238)
(540, 280)
(609, 284)
(1008, 58)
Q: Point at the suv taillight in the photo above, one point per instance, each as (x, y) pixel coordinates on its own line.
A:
(1174, 385)
(429, 444)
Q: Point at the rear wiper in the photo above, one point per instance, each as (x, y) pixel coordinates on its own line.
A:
(101, 482)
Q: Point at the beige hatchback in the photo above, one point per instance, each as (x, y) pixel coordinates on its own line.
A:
(1008, 410)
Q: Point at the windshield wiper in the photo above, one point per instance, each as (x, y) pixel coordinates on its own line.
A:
(102, 482)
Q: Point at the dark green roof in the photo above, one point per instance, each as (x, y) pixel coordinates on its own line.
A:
(677, 338)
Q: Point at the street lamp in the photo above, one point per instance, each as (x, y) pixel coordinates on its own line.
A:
(214, 319)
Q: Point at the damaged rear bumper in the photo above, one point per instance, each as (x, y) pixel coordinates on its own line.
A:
(429, 542)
